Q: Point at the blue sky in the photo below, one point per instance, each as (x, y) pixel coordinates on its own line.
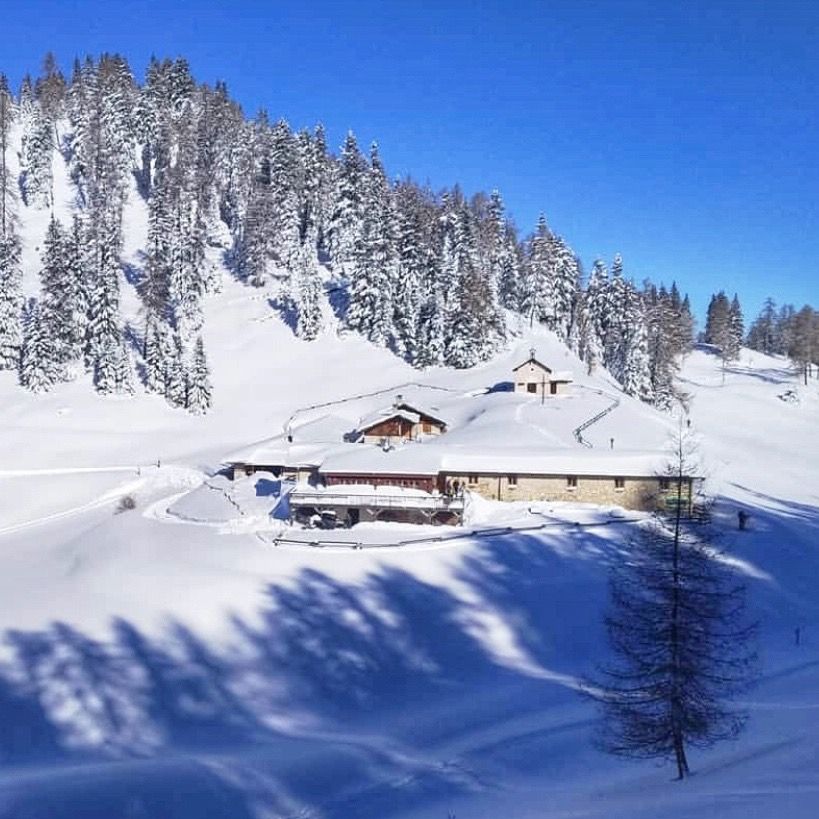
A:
(684, 135)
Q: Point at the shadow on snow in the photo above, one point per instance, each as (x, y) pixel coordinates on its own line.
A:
(362, 699)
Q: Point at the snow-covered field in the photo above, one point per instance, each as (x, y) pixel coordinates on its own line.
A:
(171, 662)
(184, 659)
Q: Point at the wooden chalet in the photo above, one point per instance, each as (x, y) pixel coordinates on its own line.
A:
(401, 422)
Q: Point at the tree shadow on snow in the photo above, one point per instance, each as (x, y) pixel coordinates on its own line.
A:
(343, 699)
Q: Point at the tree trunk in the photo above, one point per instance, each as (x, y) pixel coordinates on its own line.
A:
(682, 761)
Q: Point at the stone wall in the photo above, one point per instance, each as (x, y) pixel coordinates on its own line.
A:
(635, 492)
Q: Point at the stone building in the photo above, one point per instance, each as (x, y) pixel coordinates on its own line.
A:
(535, 378)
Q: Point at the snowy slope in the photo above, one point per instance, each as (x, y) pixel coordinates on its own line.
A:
(158, 663)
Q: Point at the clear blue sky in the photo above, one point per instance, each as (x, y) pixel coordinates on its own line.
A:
(683, 134)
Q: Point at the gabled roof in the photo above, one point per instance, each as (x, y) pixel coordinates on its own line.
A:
(381, 416)
(400, 410)
(532, 360)
(423, 412)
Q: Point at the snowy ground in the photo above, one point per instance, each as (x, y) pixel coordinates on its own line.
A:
(165, 662)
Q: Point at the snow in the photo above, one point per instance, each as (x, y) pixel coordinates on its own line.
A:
(171, 661)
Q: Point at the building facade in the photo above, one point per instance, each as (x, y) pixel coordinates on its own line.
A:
(536, 379)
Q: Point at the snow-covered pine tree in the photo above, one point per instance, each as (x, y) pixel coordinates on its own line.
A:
(660, 328)
(432, 331)
(154, 349)
(285, 173)
(105, 352)
(431, 316)
(636, 379)
(8, 186)
(11, 302)
(176, 376)
(566, 277)
(346, 223)
(11, 297)
(113, 371)
(474, 324)
(50, 90)
(320, 182)
(410, 207)
(596, 315)
(503, 253)
(308, 291)
(155, 286)
(39, 369)
(36, 180)
(537, 299)
(373, 272)
(57, 306)
(186, 251)
(199, 392)
(619, 301)
(736, 333)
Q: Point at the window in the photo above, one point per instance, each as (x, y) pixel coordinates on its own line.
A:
(473, 479)
(512, 480)
(531, 387)
(619, 483)
(571, 482)
(665, 484)
(553, 388)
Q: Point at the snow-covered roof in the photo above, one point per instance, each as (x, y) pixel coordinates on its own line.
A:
(401, 409)
(278, 452)
(423, 411)
(380, 416)
(532, 360)
(430, 459)
(562, 375)
(555, 462)
(362, 459)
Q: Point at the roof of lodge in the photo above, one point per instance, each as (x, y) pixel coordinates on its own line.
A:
(401, 409)
(561, 375)
(427, 459)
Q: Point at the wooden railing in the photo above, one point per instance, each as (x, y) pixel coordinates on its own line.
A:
(299, 497)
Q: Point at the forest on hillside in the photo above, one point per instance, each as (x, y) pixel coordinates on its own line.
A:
(435, 276)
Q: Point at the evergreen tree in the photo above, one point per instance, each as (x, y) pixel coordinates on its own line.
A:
(11, 302)
(537, 298)
(154, 352)
(199, 393)
(63, 305)
(762, 332)
(718, 321)
(176, 379)
(113, 372)
(8, 186)
(11, 297)
(37, 149)
(410, 270)
(596, 314)
(346, 224)
(374, 270)
(39, 369)
(308, 292)
(636, 379)
(736, 329)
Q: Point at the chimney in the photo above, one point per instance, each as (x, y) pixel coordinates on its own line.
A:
(398, 399)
